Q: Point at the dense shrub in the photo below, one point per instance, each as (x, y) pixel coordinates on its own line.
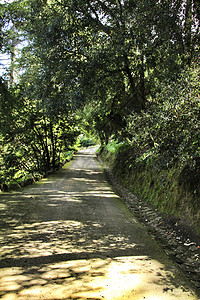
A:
(169, 130)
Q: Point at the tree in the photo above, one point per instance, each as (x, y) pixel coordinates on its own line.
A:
(38, 126)
(111, 57)
(12, 21)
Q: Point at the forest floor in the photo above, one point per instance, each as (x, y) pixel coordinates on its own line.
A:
(70, 236)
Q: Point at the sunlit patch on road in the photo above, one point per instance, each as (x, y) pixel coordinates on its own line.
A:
(132, 277)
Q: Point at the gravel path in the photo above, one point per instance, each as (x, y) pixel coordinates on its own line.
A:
(71, 237)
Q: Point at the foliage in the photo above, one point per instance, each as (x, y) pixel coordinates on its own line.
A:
(38, 124)
(34, 141)
(133, 48)
(115, 146)
(169, 130)
(86, 141)
(122, 70)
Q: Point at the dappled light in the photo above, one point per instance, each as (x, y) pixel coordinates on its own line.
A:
(59, 237)
(120, 79)
(71, 237)
(131, 277)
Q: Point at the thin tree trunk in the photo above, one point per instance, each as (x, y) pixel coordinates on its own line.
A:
(53, 146)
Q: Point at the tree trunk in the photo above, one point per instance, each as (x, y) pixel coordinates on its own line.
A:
(53, 146)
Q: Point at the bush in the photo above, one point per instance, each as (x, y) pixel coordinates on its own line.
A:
(86, 141)
(168, 130)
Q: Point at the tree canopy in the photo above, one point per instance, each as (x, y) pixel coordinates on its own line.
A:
(120, 69)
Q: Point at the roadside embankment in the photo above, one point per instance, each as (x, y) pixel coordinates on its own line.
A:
(171, 190)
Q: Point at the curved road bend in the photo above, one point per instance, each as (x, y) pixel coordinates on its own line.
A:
(71, 237)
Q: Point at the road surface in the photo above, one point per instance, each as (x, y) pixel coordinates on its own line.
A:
(70, 237)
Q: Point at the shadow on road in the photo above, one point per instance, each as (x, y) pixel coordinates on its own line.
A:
(70, 237)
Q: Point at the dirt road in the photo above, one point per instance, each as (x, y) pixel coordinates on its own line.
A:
(71, 237)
